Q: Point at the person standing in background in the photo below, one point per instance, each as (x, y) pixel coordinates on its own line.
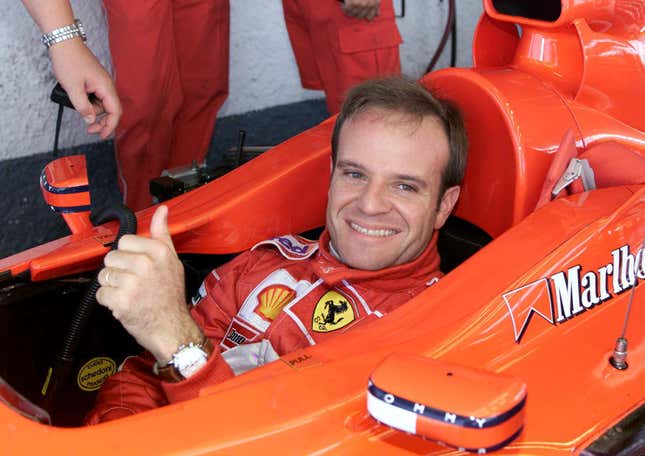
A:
(171, 72)
(340, 44)
(170, 63)
(171, 60)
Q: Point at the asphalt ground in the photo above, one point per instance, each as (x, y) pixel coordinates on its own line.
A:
(28, 221)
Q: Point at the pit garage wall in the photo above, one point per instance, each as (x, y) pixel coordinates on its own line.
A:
(263, 73)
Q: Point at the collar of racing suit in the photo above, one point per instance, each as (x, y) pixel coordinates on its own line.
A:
(421, 271)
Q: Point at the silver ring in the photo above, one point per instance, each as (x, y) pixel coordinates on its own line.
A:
(107, 278)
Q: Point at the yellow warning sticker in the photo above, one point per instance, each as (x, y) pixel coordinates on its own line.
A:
(94, 372)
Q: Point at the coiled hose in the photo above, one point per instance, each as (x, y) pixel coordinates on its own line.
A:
(59, 373)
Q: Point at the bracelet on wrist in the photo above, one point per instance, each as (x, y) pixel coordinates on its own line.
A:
(61, 34)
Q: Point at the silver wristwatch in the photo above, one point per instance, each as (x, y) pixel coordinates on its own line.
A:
(185, 362)
(64, 33)
(188, 359)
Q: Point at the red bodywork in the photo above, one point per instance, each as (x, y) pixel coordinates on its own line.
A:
(538, 303)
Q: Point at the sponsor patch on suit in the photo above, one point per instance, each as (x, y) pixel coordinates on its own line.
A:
(334, 311)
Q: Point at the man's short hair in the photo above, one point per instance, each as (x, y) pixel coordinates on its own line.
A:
(407, 96)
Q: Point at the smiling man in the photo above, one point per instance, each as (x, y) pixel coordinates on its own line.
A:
(398, 156)
(387, 196)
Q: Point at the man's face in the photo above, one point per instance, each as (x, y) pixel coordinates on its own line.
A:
(384, 202)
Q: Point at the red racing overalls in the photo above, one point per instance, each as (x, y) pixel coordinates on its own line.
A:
(285, 294)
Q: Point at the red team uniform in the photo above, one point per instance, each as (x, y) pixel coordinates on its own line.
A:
(335, 52)
(171, 62)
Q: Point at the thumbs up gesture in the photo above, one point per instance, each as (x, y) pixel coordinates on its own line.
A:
(142, 283)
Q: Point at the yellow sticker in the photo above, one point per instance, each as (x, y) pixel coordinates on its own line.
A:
(94, 372)
(46, 385)
(333, 311)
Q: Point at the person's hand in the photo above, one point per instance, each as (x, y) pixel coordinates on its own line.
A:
(362, 9)
(80, 73)
(142, 283)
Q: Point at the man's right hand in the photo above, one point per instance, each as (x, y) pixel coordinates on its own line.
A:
(142, 283)
(80, 73)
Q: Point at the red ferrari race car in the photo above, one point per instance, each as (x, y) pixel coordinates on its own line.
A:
(533, 342)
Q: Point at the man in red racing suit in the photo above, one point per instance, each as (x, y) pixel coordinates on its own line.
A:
(398, 156)
(285, 294)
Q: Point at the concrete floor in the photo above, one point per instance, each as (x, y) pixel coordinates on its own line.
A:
(28, 221)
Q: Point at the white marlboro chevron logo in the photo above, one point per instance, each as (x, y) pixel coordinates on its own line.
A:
(523, 302)
(572, 292)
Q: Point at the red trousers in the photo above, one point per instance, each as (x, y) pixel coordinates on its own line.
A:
(335, 52)
(171, 71)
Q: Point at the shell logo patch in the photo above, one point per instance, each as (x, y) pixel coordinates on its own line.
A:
(272, 299)
(94, 372)
(333, 311)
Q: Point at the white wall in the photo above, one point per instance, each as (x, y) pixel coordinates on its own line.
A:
(263, 72)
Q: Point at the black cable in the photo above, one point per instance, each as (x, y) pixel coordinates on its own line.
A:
(127, 225)
(453, 41)
(59, 121)
(240, 148)
(444, 37)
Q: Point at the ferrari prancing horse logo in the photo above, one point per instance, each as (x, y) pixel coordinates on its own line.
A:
(333, 311)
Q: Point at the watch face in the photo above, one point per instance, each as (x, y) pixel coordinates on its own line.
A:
(189, 360)
(192, 369)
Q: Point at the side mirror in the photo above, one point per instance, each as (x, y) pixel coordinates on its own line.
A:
(470, 409)
(66, 190)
